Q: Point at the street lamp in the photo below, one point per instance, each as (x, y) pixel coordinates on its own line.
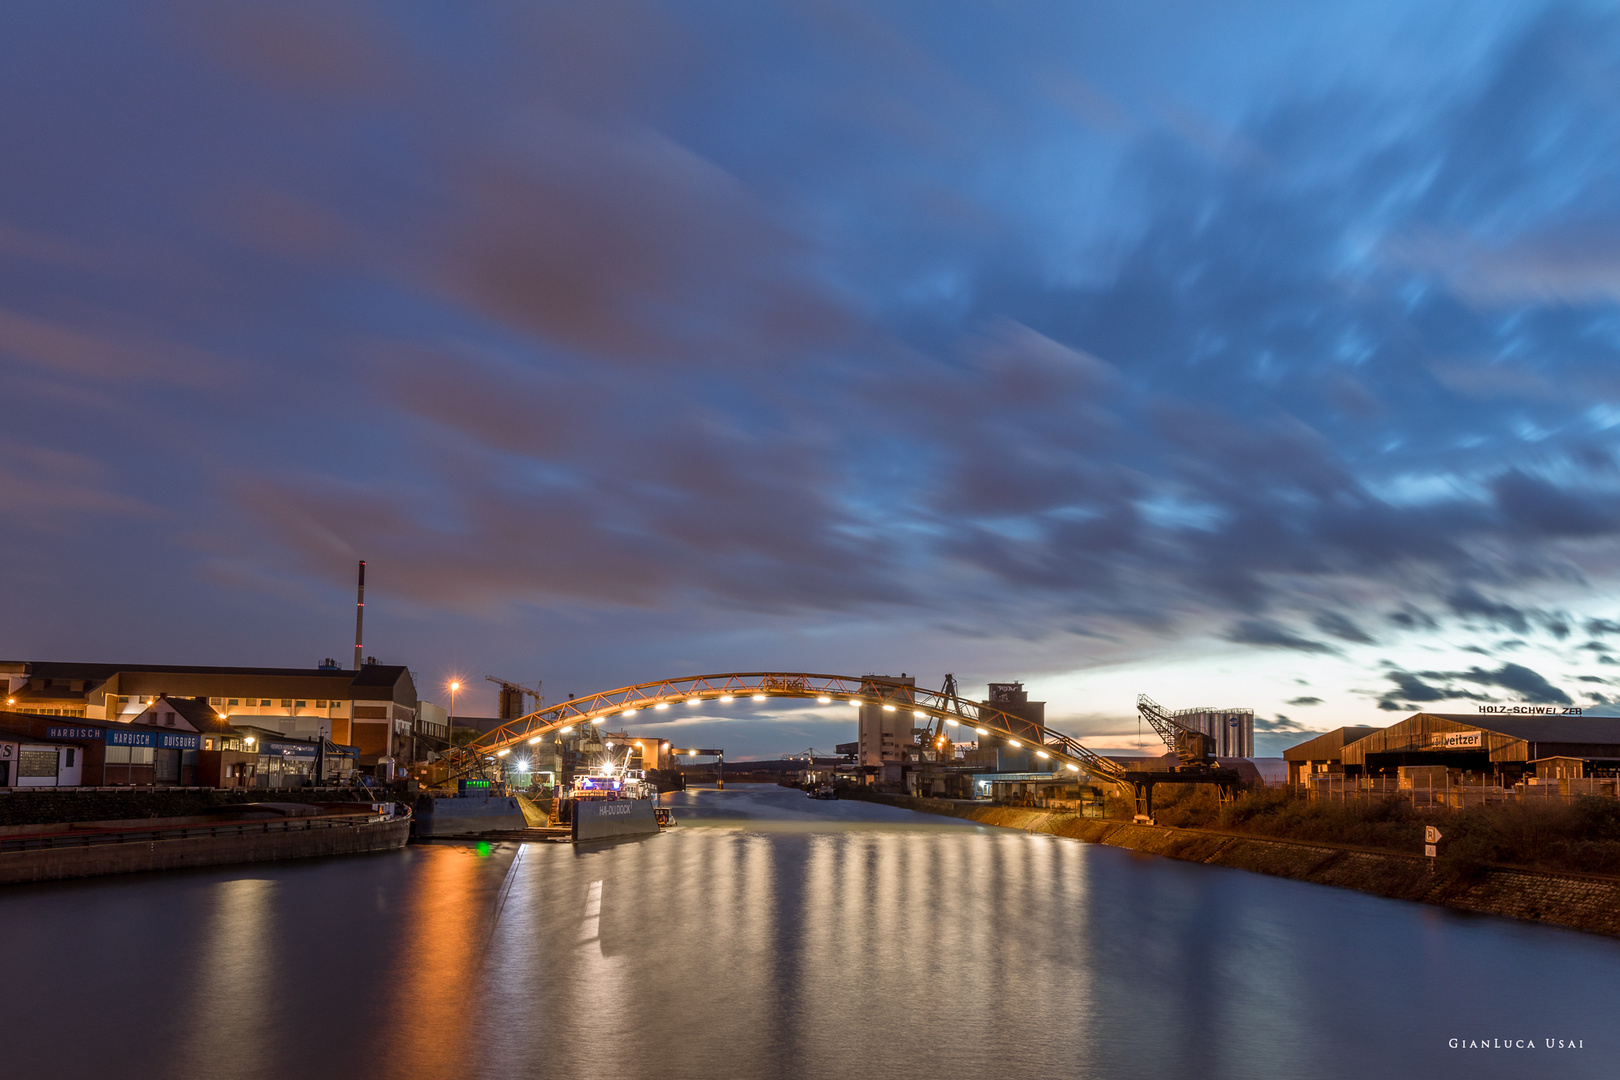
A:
(450, 728)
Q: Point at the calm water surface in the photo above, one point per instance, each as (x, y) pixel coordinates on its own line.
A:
(772, 935)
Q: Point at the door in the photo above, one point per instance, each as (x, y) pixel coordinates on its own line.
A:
(166, 764)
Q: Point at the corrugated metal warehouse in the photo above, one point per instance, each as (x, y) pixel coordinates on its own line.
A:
(1490, 745)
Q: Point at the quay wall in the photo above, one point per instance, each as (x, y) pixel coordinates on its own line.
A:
(1587, 902)
(47, 864)
(45, 806)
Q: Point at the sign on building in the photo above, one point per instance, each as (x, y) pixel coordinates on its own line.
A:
(1458, 740)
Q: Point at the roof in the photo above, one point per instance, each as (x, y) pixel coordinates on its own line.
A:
(35, 726)
(1541, 729)
(368, 675)
(373, 682)
(1326, 747)
(198, 713)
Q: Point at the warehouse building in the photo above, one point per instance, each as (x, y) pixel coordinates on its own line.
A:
(1323, 755)
(1492, 747)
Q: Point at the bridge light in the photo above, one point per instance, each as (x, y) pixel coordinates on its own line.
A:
(918, 713)
(725, 697)
(600, 720)
(950, 723)
(1014, 743)
(661, 705)
(566, 730)
(1074, 768)
(888, 708)
(630, 712)
(502, 753)
(856, 703)
(759, 697)
(1042, 754)
(823, 701)
(693, 700)
(981, 731)
(535, 741)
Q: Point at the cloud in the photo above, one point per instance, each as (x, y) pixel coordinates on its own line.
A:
(1468, 602)
(1337, 625)
(1266, 633)
(1528, 684)
(1307, 700)
(1413, 618)
(1281, 724)
(553, 314)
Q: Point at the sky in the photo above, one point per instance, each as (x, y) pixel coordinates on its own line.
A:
(1255, 354)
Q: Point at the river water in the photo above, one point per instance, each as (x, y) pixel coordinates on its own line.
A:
(772, 935)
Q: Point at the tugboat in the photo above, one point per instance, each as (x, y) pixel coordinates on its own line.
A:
(825, 791)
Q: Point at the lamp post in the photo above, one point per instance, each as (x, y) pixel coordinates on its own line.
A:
(450, 728)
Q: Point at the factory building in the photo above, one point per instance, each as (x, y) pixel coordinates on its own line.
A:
(1027, 719)
(887, 728)
(1500, 748)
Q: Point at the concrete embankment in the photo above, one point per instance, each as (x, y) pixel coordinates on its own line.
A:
(41, 806)
(1583, 902)
(169, 847)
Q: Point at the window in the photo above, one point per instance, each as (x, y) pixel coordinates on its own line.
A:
(286, 703)
(234, 701)
(208, 744)
(140, 755)
(264, 703)
(216, 701)
(303, 704)
(70, 756)
(36, 763)
(320, 704)
(117, 755)
(124, 700)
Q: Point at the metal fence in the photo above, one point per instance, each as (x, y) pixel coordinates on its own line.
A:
(1344, 789)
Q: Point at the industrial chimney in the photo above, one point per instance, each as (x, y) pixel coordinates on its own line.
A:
(359, 614)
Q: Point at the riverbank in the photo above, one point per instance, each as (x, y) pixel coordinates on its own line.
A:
(1587, 902)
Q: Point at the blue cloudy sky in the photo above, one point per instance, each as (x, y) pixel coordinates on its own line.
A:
(1243, 354)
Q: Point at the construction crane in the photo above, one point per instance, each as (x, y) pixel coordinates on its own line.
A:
(1193, 747)
(512, 695)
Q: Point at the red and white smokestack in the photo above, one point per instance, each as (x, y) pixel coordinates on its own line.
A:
(359, 614)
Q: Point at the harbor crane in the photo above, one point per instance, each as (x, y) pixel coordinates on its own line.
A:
(513, 695)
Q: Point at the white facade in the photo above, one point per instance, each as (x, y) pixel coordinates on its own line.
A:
(46, 765)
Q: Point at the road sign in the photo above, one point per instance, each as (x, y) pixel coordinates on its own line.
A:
(1431, 835)
(1428, 849)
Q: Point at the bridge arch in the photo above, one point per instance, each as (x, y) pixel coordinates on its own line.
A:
(1065, 753)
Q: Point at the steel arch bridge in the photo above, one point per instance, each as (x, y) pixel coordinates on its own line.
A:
(1065, 754)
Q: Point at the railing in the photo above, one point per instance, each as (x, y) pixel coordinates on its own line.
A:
(95, 838)
(1065, 753)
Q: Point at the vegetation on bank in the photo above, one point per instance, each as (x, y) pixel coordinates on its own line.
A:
(1580, 836)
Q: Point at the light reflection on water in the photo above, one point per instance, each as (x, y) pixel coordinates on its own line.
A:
(771, 935)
